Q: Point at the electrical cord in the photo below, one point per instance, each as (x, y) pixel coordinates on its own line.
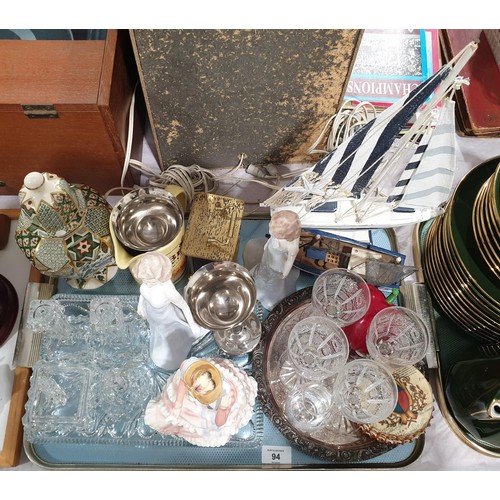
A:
(195, 178)
(349, 119)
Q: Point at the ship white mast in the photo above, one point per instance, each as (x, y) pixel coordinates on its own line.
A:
(350, 175)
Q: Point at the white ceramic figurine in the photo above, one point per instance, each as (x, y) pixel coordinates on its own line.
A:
(206, 402)
(275, 276)
(173, 329)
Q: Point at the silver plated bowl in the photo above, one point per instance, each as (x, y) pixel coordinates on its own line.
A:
(221, 295)
(147, 219)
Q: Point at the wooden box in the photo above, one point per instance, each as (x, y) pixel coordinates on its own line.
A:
(64, 109)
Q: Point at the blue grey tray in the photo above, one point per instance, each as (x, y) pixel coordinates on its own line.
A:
(270, 443)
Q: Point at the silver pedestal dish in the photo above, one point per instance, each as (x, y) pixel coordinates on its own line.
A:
(222, 297)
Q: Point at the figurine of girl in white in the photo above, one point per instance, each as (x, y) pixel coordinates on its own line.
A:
(275, 276)
(171, 323)
(205, 402)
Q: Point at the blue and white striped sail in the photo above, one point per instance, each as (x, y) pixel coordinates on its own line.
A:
(342, 190)
(428, 178)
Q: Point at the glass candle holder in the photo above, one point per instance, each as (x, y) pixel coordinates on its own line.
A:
(106, 313)
(46, 314)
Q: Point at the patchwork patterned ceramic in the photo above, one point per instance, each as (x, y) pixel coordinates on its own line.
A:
(63, 228)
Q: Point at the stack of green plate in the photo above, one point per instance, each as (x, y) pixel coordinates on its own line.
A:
(486, 222)
(462, 254)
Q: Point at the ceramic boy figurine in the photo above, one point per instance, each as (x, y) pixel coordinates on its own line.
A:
(173, 329)
(205, 402)
(275, 276)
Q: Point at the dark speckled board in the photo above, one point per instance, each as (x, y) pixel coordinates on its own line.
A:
(213, 94)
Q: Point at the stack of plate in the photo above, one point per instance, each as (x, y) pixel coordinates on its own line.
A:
(461, 258)
(486, 222)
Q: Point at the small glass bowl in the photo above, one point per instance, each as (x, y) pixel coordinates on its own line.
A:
(317, 347)
(365, 391)
(308, 407)
(397, 337)
(341, 295)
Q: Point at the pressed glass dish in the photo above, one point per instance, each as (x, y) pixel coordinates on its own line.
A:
(59, 398)
(94, 376)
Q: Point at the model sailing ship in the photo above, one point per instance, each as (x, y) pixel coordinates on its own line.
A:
(385, 175)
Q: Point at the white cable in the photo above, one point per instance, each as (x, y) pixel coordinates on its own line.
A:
(130, 134)
(349, 119)
(116, 189)
(194, 178)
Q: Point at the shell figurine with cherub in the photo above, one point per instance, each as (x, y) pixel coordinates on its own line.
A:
(206, 402)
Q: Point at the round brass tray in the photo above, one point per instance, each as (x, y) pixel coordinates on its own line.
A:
(350, 445)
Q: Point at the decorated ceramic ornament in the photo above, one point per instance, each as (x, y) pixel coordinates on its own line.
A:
(63, 229)
(206, 402)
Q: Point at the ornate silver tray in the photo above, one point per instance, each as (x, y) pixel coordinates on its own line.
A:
(350, 445)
